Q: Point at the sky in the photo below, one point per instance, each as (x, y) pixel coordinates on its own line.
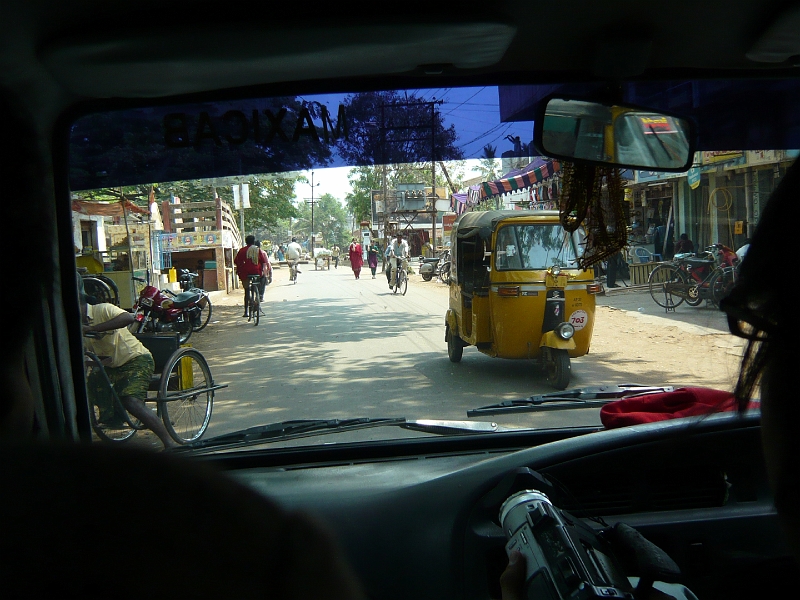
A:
(334, 181)
(474, 111)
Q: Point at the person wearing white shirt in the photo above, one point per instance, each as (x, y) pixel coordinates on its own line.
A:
(293, 254)
(397, 252)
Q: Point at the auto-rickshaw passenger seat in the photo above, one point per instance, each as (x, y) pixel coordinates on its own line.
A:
(472, 270)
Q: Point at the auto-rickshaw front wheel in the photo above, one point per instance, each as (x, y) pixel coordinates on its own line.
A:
(557, 367)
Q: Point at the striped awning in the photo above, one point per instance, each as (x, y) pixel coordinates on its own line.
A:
(534, 173)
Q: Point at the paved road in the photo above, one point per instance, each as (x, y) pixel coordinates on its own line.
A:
(705, 317)
(335, 347)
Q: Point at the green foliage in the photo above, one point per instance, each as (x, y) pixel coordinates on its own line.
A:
(362, 181)
(330, 220)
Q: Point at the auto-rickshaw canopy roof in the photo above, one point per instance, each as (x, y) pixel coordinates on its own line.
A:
(483, 223)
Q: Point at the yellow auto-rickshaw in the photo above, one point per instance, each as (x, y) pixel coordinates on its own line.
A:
(516, 290)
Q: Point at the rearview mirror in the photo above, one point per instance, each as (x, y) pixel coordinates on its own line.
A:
(584, 131)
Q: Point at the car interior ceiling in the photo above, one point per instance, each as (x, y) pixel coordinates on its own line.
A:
(426, 519)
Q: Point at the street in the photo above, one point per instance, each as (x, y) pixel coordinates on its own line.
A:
(332, 346)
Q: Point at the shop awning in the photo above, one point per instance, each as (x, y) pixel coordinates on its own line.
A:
(535, 172)
(106, 209)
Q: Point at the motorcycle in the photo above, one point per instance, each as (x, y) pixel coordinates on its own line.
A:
(201, 318)
(156, 311)
(428, 267)
(438, 266)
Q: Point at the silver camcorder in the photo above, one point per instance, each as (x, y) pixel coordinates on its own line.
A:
(565, 558)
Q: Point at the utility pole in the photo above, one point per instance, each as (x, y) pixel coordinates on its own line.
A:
(312, 202)
(433, 176)
(414, 139)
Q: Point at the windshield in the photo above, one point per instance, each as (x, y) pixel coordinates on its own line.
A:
(256, 234)
(529, 247)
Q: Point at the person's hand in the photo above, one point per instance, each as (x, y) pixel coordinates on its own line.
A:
(512, 581)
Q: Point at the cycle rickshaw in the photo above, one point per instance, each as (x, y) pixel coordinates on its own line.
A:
(182, 387)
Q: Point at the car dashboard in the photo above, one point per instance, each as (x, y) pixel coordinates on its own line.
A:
(425, 525)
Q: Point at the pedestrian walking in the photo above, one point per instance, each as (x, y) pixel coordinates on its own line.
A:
(356, 260)
(372, 257)
(335, 252)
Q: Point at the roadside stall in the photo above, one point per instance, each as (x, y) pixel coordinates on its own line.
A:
(119, 247)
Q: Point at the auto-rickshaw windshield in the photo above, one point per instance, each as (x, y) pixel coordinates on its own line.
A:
(536, 247)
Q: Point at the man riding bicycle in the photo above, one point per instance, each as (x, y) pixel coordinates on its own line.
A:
(398, 253)
(249, 261)
(293, 254)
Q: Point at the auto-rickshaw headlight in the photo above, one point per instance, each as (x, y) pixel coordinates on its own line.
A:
(565, 330)
(555, 270)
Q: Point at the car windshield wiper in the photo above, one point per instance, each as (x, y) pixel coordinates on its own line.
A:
(287, 430)
(587, 397)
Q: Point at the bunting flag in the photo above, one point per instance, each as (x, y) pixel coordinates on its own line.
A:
(536, 172)
(458, 203)
(519, 182)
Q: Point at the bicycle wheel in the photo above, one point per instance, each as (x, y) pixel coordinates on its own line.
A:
(184, 398)
(255, 308)
(445, 274)
(98, 290)
(403, 283)
(662, 280)
(695, 295)
(205, 315)
(721, 284)
(111, 284)
(183, 325)
(109, 420)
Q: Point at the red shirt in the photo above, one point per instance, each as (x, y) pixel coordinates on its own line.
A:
(245, 267)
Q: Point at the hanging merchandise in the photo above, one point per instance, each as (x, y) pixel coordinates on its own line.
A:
(593, 196)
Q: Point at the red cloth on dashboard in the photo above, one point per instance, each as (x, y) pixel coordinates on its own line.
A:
(682, 402)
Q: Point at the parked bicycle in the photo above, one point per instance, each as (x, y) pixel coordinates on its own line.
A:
(182, 387)
(693, 278)
(252, 299)
(443, 269)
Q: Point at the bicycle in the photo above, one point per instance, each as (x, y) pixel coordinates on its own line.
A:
(252, 299)
(181, 386)
(694, 278)
(293, 270)
(401, 278)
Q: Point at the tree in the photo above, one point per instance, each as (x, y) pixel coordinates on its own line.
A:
(390, 128)
(363, 180)
(271, 200)
(489, 167)
(330, 220)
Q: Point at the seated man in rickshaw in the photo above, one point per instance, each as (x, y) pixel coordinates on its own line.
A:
(128, 364)
(507, 250)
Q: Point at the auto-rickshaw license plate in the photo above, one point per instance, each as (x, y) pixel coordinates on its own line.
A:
(557, 281)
